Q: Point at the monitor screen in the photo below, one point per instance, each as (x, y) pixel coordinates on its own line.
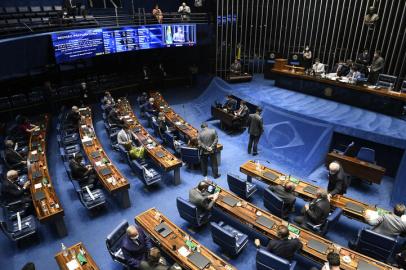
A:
(74, 45)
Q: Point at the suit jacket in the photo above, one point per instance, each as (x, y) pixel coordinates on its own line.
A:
(363, 59)
(78, 170)
(319, 210)
(255, 125)
(285, 248)
(377, 64)
(207, 138)
(288, 197)
(390, 225)
(11, 192)
(113, 118)
(148, 107)
(72, 119)
(338, 183)
(230, 104)
(144, 265)
(13, 158)
(200, 200)
(134, 253)
(243, 112)
(344, 70)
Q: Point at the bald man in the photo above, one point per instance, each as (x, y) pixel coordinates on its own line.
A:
(12, 191)
(338, 180)
(287, 194)
(135, 246)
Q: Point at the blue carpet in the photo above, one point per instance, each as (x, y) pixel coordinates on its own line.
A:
(92, 230)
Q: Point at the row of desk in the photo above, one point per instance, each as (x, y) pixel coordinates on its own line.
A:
(351, 207)
(109, 176)
(159, 154)
(46, 203)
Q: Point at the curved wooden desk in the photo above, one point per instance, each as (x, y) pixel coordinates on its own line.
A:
(351, 208)
(162, 157)
(176, 240)
(46, 203)
(249, 214)
(62, 261)
(110, 177)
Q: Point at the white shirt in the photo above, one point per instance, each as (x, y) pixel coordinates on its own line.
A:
(318, 68)
(123, 137)
(184, 9)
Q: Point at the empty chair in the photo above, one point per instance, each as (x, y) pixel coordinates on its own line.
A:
(90, 198)
(242, 188)
(13, 231)
(266, 260)
(228, 238)
(113, 243)
(275, 204)
(331, 220)
(191, 214)
(145, 172)
(155, 127)
(66, 140)
(374, 245)
(19, 100)
(366, 154)
(169, 139)
(190, 155)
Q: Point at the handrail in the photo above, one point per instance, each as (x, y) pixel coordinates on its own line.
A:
(115, 10)
(28, 27)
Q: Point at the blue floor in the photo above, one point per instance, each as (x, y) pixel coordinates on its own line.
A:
(92, 230)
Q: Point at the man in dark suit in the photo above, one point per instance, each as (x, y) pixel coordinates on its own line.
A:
(14, 159)
(202, 199)
(255, 129)
(230, 104)
(135, 246)
(149, 106)
(241, 116)
(286, 193)
(338, 180)
(72, 118)
(283, 247)
(207, 141)
(114, 119)
(12, 191)
(82, 173)
(376, 67)
(317, 211)
(155, 261)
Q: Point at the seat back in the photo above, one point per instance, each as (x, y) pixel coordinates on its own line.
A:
(113, 240)
(331, 220)
(237, 185)
(168, 138)
(223, 238)
(187, 211)
(366, 154)
(273, 203)
(268, 261)
(155, 127)
(190, 154)
(375, 245)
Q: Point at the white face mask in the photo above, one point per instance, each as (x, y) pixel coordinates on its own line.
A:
(134, 238)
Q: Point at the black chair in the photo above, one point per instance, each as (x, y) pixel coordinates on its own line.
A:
(113, 243)
(242, 188)
(231, 240)
(16, 233)
(274, 204)
(191, 214)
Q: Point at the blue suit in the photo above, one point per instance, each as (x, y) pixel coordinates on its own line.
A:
(136, 251)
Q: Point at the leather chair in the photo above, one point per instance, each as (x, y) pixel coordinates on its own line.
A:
(191, 214)
(190, 155)
(228, 238)
(155, 127)
(374, 245)
(66, 140)
(113, 243)
(331, 220)
(242, 188)
(139, 167)
(169, 139)
(266, 260)
(366, 154)
(11, 230)
(86, 199)
(275, 204)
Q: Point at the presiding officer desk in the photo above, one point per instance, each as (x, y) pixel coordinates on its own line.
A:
(351, 208)
(162, 157)
(109, 176)
(178, 244)
(370, 97)
(46, 203)
(314, 247)
(77, 258)
(359, 168)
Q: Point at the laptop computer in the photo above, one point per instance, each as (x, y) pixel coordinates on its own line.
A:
(230, 201)
(318, 246)
(198, 260)
(265, 222)
(363, 265)
(163, 229)
(311, 190)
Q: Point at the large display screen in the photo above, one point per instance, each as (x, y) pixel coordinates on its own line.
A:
(70, 46)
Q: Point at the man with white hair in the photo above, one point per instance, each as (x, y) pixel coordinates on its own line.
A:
(184, 11)
(135, 246)
(12, 191)
(72, 118)
(149, 106)
(338, 180)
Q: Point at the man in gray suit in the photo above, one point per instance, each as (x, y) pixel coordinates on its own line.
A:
(376, 67)
(201, 198)
(390, 224)
(255, 129)
(207, 141)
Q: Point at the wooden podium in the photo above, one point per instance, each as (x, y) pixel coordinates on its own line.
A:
(280, 63)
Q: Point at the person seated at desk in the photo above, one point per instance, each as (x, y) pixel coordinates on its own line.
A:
(316, 211)
(25, 128)
(84, 174)
(155, 261)
(283, 247)
(231, 104)
(125, 137)
(108, 106)
(184, 11)
(338, 180)
(344, 69)
(235, 67)
(113, 118)
(162, 124)
(390, 224)
(108, 97)
(333, 262)
(286, 193)
(201, 198)
(14, 159)
(143, 99)
(135, 246)
(72, 118)
(242, 113)
(318, 68)
(354, 74)
(362, 61)
(12, 190)
(149, 106)
(157, 13)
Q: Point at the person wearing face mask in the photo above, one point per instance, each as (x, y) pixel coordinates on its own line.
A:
(149, 106)
(318, 68)
(135, 246)
(307, 59)
(333, 262)
(12, 190)
(338, 180)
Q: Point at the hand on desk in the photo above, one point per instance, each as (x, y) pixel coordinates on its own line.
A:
(214, 196)
(306, 207)
(257, 243)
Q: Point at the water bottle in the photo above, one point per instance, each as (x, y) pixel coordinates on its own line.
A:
(258, 165)
(64, 250)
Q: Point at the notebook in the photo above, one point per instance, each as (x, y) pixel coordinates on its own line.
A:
(354, 207)
(318, 246)
(270, 175)
(88, 143)
(105, 171)
(198, 260)
(311, 190)
(160, 154)
(265, 222)
(34, 158)
(363, 265)
(39, 195)
(36, 174)
(95, 154)
(163, 229)
(230, 201)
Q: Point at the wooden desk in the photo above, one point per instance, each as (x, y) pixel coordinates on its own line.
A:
(76, 249)
(358, 168)
(348, 205)
(247, 213)
(168, 161)
(110, 177)
(46, 203)
(238, 78)
(171, 244)
(183, 127)
(226, 118)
